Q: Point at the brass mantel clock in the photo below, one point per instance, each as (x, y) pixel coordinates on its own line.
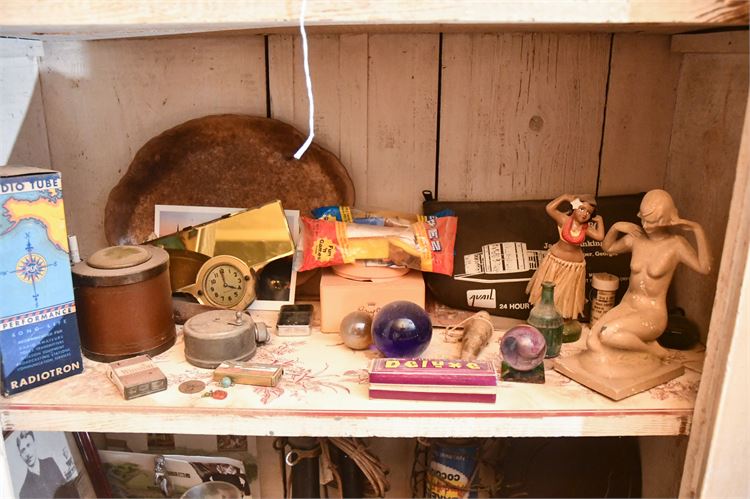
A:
(224, 281)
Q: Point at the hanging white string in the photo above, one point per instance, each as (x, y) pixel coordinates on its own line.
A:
(308, 82)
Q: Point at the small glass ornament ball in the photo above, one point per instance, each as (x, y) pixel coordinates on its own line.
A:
(523, 347)
(356, 330)
(401, 329)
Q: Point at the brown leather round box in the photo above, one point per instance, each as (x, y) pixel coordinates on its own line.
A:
(124, 302)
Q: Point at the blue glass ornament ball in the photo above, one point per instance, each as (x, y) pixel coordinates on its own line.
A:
(401, 329)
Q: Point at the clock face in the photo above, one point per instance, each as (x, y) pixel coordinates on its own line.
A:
(224, 285)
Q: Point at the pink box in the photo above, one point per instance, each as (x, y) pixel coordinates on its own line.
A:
(449, 380)
(340, 296)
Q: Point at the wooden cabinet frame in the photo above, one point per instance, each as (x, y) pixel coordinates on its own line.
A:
(717, 454)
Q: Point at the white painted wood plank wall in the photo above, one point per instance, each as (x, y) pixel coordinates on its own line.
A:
(705, 142)
(640, 106)
(521, 114)
(23, 131)
(375, 108)
(338, 65)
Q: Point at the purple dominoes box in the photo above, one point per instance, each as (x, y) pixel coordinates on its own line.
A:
(450, 380)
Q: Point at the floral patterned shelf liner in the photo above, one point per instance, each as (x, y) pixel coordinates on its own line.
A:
(324, 377)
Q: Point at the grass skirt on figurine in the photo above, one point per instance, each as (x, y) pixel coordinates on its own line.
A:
(570, 284)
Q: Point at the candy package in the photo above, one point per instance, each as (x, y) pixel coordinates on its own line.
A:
(385, 218)
(368, 217)
(425, 245)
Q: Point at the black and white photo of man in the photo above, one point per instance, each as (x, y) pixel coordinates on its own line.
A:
(43, 477)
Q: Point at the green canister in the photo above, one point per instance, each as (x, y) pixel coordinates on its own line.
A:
(545, 317)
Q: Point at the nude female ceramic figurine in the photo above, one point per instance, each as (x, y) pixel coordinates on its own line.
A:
(641, 316)
(564, 263)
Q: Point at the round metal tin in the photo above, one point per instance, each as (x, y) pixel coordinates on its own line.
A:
(124, 305)
(218, 336)
(119, 266)
(119, 257)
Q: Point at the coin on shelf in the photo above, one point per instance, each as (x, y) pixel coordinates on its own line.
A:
(192, 386)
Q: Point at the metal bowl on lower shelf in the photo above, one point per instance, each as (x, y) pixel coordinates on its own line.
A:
(213, 490)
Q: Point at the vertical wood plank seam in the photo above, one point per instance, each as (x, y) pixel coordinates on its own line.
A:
(268, 76)
(437, 114)
(339, 98)
(671, 128)
(44, 108)
(604, 113)
(366, 172)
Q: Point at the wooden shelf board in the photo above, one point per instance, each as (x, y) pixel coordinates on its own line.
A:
(92, 19)
(324, 392)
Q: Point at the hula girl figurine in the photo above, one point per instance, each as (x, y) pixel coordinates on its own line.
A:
(564, 263)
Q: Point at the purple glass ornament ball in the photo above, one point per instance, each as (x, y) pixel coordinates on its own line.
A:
(401, 329)
(523, 347)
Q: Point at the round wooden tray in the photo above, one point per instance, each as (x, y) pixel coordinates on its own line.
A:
(225, 160)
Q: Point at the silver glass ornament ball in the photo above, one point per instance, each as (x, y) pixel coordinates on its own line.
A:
(356, 329)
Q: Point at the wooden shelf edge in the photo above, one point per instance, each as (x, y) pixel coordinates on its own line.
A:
(73, 419)
(93, 19)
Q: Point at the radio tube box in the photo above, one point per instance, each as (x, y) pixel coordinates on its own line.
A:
(39, 340)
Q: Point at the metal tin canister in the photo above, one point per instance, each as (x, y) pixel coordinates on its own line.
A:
(453, 468)
(221, 335)
(124, 302)
(604, 286)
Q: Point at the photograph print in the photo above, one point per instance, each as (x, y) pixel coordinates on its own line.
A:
(45, 464)
(276, 281)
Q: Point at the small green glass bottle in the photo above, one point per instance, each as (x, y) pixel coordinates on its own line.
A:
(545, 317)
(571, 331)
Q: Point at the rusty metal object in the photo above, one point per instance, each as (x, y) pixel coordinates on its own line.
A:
(223, 160)
(124, 311)
(184, 308)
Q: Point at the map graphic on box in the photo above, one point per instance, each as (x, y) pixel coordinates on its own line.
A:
(39, 340)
